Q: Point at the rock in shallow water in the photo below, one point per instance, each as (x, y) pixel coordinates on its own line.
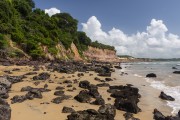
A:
(151, 75)
(176, 72)
(166, 97)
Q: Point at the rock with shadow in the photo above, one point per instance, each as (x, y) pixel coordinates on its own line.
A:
(151, 75)
(166, 97)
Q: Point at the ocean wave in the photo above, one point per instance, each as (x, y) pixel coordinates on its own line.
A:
(136, 75)
(173, 91)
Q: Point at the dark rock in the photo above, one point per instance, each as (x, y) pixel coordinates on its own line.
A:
(59, 88)
(103, 85)
(83, 97)
(118, 67)
(158, 115)
(105, 112)
(69, 85)
(67, 110)
(5, 82)
(108, 98)
(42, 76)
(80, 74)
(174, 68)
(108, 110)
(5, 110)
(18, 99)
(105, 74)
(166, 97)
(99, 101)
(108, 79)
(36, 83)
(67, 81)
(3, 92)
(75, 81)
(28, 88)
(45, 86)
(93, 91)
(59, 93)
(129, 116)
(34, 93)
(97, 79)
(16, 69)
(31, 73)
(128, 105)
(84, 84)
(151, 75)
(8, 71)
(58, 100)
(15, 79)
(176, 72)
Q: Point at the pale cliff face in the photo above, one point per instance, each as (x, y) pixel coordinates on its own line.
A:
(91, 54)
(100, 54)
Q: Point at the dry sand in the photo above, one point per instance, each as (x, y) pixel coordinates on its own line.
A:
(34, 110)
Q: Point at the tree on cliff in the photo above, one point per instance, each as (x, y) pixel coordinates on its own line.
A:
(31, 28)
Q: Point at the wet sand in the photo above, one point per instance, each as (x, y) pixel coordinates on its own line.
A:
(34, 109)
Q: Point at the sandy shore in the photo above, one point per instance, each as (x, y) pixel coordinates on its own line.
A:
(34, 109)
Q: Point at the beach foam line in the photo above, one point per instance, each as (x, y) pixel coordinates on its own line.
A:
(172, 91)
(136, 75)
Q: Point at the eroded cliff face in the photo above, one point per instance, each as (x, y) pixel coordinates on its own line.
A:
(92, 53)
(100, 54)
(62, 53)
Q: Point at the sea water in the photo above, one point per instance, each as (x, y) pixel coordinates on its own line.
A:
(166, 80)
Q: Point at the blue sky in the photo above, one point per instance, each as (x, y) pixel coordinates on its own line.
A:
(141, 28)
(129, 15)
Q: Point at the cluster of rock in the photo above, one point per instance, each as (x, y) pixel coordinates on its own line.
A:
(85, 96)
(105, 112)
(126, 98)
(5, 85)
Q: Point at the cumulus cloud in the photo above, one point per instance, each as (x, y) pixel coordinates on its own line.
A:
(155, 42)
(52, 11)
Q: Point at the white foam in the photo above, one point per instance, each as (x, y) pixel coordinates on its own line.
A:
(172, 91)
(136, 75)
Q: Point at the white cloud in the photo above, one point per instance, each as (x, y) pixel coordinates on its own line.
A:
(155, 42)
(52, 11)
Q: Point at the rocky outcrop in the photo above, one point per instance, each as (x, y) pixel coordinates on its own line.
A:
(100, 54)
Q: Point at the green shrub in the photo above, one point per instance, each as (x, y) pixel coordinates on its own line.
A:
(53, 51)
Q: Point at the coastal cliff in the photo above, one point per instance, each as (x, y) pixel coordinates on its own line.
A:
(100, 54)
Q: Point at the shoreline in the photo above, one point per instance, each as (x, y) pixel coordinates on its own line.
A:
(34, 109)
